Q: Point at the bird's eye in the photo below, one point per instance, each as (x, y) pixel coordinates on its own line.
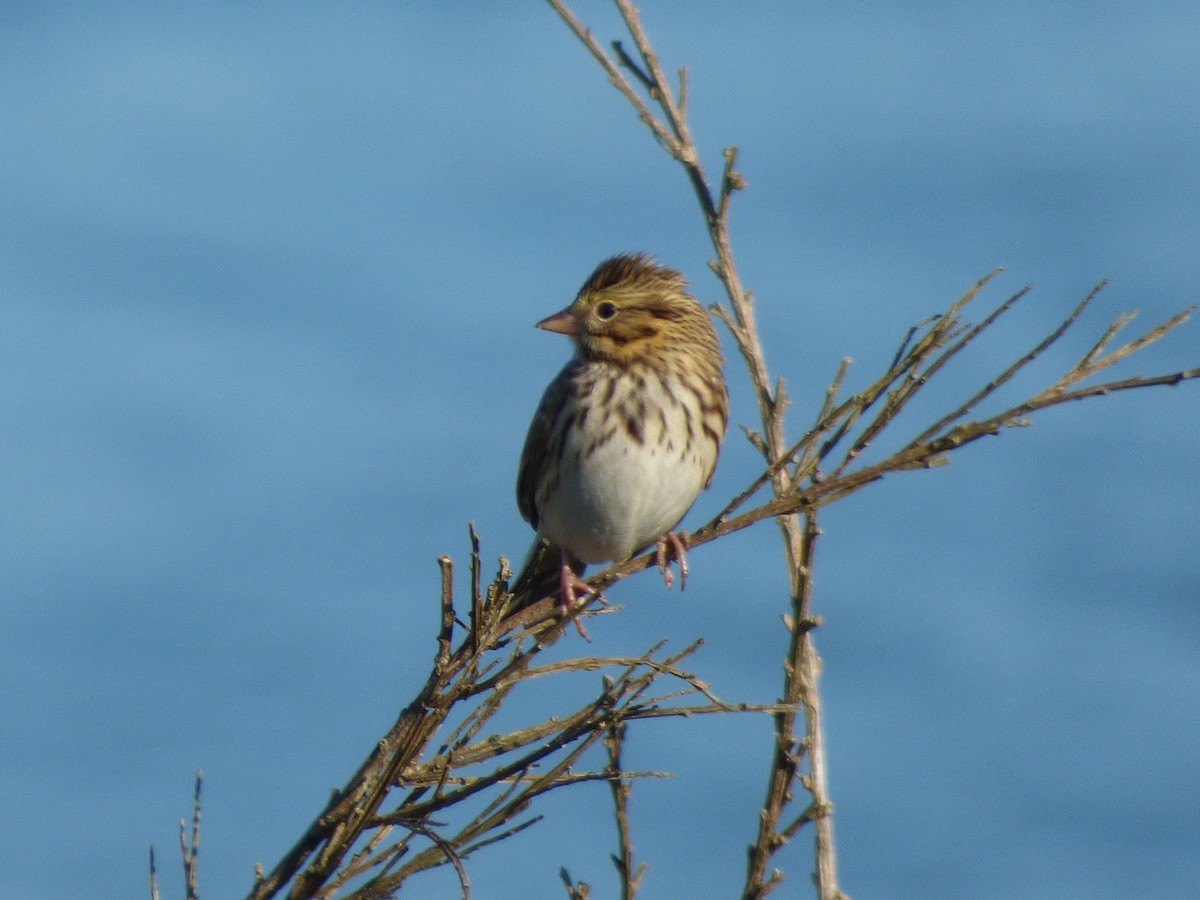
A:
(606, 310)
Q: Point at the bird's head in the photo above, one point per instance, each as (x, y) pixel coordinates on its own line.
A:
(631, 308)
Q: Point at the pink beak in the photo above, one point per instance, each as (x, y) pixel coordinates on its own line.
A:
(560, 323)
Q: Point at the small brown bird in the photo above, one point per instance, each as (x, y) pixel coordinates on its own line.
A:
(628, 433)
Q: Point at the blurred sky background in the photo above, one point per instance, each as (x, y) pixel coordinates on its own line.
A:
(268, 277)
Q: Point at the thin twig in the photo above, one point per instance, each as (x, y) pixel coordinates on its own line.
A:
(190, 849)
(1005, 376)
(618, 81)
(154, 895)
(630, 875)
(800, 686)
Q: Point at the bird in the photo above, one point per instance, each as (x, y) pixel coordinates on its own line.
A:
(627, 435)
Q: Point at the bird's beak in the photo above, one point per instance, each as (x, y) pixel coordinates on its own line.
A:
(560, 323)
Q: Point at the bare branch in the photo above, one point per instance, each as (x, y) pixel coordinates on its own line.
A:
(190, 848)
(629, 873)
(154, 895)
(618, 81)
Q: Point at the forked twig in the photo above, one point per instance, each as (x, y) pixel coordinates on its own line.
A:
(630, 874)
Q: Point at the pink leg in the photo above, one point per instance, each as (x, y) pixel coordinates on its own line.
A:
(571, 586)
(679, 544)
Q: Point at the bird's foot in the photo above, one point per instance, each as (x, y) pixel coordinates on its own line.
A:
(572, 586)
(678, 541)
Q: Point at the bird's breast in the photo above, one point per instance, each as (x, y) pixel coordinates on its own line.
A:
(635, 454)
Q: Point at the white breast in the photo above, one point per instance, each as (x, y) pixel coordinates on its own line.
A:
(617, 494)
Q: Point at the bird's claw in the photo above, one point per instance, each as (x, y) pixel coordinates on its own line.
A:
(571, 586)
(678, 541)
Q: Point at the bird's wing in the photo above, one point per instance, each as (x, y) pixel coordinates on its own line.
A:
(543, 442)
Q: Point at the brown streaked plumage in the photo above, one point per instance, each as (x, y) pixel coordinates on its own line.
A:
(628, 433)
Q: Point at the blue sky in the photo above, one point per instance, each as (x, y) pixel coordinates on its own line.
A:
(269, 274)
